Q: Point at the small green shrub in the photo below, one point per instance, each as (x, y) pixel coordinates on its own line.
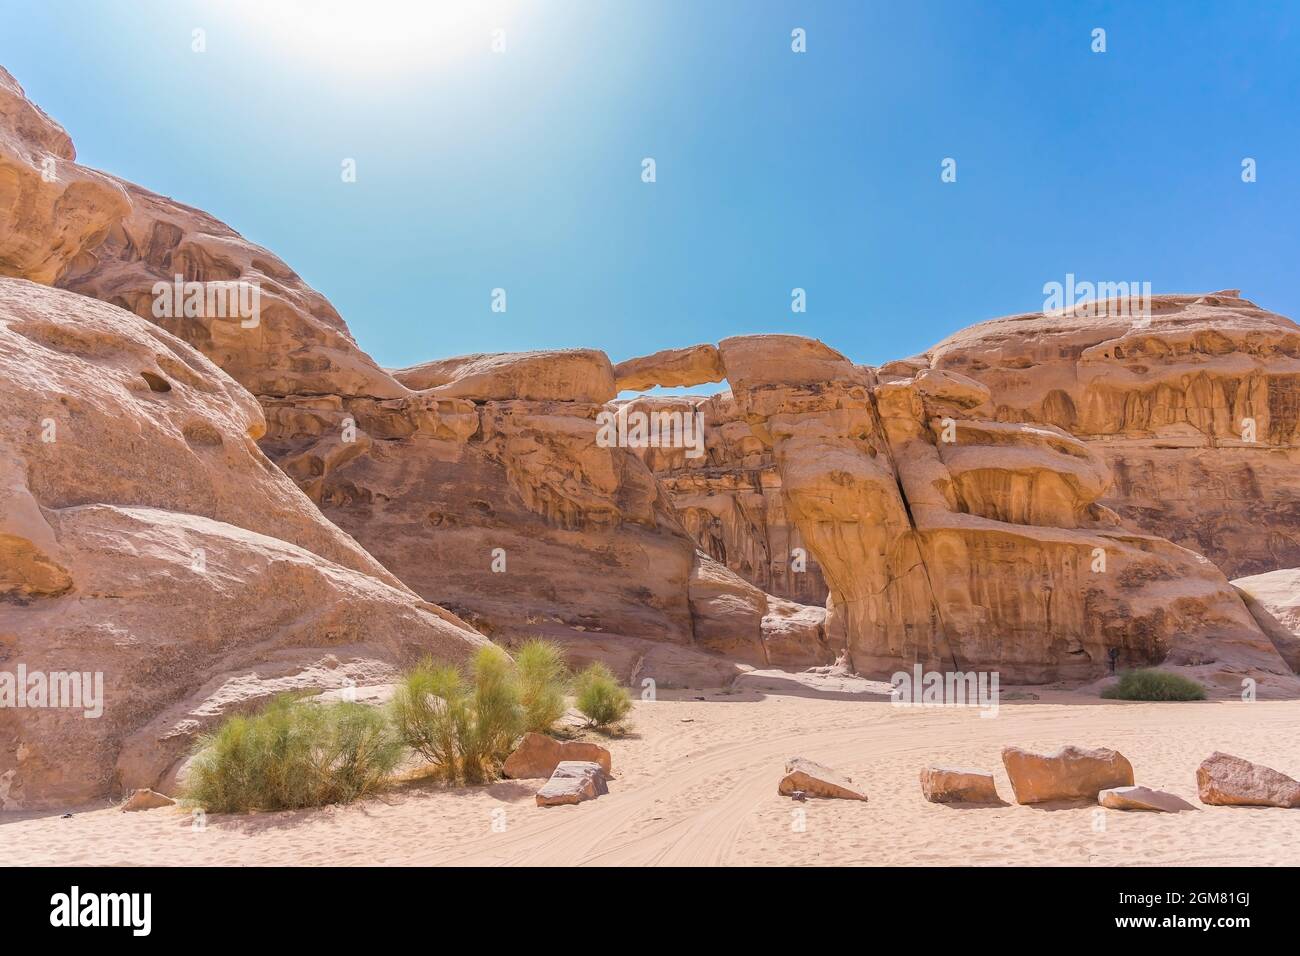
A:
(498, 714)
(600, 697)
(1154, 685)
(433, 714)
(293, 754)
(541, 674)
(465, 723)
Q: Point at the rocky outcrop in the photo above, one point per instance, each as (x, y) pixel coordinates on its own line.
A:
(1071, 773)
(1273, 599)
(970, 544)
(1194, 409)
(91, 233)
(149, 547)
(1227, 781)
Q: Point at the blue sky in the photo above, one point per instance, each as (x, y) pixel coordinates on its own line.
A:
(522, 169)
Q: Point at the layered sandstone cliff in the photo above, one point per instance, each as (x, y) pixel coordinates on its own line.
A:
(1195, 409)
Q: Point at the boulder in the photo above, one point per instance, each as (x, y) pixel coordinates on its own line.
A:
(814, 780)
(1142, 798)
(1227, 781)
(944, 785)
(573, 782)
(538, 755)
(146, 799)
(1071, 773)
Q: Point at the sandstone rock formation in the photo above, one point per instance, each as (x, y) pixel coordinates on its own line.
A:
(447, 471)
(1228, 781)
(970, 544)
(945, 785)
(729, 499)
(941, 509)
(146, 538)
(814, 780)
(1071, 773)
(538, 755)
(1142, 798)
(1273, 599)
(1194, 409)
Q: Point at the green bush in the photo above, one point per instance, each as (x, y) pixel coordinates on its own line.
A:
(540, 670)
(433, 714)
(293, 754)
(498, 714)
(600, 697)
(465, 723)
(1154, 685)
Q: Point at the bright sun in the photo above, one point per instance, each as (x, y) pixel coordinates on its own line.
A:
(382, 35)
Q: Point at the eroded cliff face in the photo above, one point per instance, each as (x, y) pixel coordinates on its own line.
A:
(1195, 411)
(964, 543)
(477, 479)
(150, 548)
(947, 521)
(728, 497)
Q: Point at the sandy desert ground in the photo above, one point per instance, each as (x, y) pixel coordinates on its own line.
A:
(695, 784)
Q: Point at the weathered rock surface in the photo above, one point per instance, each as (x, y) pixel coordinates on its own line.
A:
(146, 799)
(83, 230)
(1071, 773)
(145, 537)
(940, 515)
(573, 781)
(815, 780)
(730, 501)
(1273, 599)
(671, 368)
(1142, 798)
(971, 544)
(538, 755)
(572, 375)
(1195, 411)
(1227, 781)
(945, 785)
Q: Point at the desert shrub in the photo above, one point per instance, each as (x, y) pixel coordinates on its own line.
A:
(600, 697)
(540, 673)
(1154, 685)
(465, 722)
(498, 714)
(432, 713)
(293, 754)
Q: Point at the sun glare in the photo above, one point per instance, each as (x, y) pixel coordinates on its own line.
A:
(381, 36)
